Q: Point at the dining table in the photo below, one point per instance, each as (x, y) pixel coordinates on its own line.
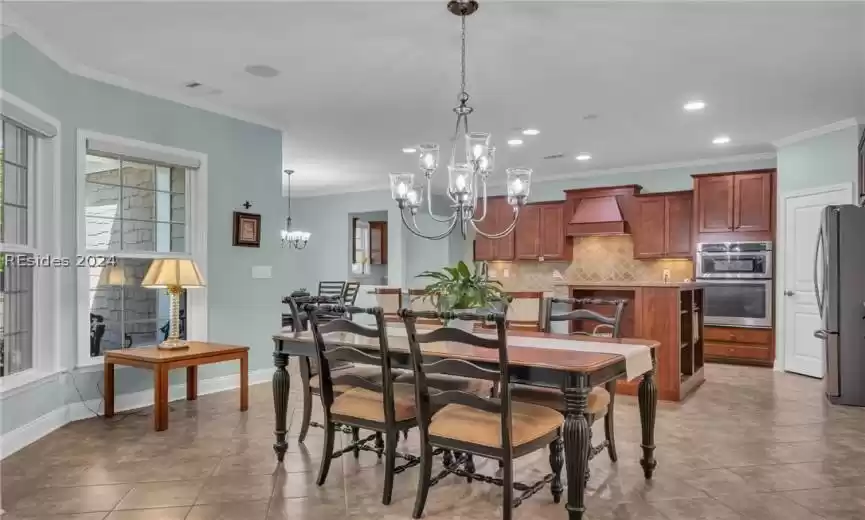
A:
(574, 363)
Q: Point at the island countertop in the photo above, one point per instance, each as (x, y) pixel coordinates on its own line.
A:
(618, 285)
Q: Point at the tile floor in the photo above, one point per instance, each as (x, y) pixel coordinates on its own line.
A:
(751, 444)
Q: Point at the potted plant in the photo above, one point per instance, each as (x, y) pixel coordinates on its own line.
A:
(460, 289)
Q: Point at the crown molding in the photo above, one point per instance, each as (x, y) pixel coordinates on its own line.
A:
(815, 132)
(13, 23)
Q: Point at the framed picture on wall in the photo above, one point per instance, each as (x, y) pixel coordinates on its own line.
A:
(247, 229)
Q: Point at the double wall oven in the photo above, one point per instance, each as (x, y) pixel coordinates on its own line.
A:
(738, 283)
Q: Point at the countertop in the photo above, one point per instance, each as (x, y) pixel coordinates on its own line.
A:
(628, 285)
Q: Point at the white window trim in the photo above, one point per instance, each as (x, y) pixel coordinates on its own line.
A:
(44, 233)
(196, 241)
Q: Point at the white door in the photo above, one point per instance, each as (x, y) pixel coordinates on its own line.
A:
(803, 353)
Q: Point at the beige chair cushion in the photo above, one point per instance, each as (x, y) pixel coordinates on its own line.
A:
(599, 398)
(366, 404)
(373, 373)
(445, 382)
(462, 423)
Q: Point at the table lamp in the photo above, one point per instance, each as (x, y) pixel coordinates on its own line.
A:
(174, 275)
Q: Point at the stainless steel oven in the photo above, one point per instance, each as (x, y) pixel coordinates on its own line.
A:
(739, 303)
(734, 260)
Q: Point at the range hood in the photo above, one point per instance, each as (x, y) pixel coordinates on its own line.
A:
(601, 215)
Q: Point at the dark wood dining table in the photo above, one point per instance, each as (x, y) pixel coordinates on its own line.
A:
(577, 372)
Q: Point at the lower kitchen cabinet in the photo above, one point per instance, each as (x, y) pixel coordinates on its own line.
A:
(739, 345)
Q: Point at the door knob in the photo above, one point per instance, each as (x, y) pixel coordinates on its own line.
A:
(789, 293)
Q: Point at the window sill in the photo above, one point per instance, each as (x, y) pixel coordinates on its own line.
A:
(16, 383)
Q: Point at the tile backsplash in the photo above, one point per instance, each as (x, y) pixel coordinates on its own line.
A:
(596, 259)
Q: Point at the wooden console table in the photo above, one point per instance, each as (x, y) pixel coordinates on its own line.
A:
(161, 361)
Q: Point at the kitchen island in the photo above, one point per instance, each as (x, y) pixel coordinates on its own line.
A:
(670, 313)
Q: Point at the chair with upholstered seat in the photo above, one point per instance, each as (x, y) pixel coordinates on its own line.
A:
(601, 400)
(379, 404)
(465, 425)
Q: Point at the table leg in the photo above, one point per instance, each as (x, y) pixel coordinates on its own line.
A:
(280, 403)
(160, 400)
(109, 390)
(244, 382)
(647, 397)
(191, 383)
(576, 434)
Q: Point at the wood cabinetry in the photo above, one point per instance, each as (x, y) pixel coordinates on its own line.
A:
(661, 226)
(499, 215)
(862, 169)
(739, 345)
(735, 206)
(540, 233)
(378, 243)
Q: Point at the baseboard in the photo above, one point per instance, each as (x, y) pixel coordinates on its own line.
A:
(18, 438)
(35, 430)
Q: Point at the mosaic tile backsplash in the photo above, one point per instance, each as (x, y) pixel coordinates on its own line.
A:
(596, 259)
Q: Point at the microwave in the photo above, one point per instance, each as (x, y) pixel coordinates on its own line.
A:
(734, 260)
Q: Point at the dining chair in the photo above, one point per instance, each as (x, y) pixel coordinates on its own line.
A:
(349, 294)
(467, 425)
(380, 405)
(331, 289)
(601, 402)
(524, 310)
(390, 300)
(310, 379)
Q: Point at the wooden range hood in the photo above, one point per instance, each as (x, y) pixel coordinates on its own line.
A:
(600, 211)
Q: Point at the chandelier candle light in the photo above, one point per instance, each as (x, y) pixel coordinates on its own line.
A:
(465, 179)
(295, 239)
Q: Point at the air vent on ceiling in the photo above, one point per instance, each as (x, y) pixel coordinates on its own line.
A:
(193, 84)
(554, 156)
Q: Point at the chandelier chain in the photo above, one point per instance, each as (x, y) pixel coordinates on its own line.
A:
(463, 56)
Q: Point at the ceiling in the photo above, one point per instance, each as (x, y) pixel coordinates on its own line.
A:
(359, 81)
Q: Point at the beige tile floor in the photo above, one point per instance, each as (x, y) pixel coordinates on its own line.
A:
(751, 444)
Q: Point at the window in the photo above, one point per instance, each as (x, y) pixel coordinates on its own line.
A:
(17, 161)
(134, 210)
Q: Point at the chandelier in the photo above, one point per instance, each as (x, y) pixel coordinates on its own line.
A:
(467, 181)
(295, 239)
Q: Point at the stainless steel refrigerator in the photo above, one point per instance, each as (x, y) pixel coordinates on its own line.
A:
(839, 284)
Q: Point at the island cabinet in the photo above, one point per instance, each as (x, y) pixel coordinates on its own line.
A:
(540, 233)
(661, 227)
(734, 206)
(499, 215)
(671, 314)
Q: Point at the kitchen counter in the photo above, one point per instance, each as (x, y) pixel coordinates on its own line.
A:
(615, 285)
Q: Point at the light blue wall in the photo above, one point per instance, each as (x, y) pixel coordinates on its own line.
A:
(821, 161)
(244, 163)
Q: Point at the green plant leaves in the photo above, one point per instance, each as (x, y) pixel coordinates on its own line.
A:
(461, 288)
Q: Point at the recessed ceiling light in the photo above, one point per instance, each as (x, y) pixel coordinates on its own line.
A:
(695, 106)
(515, 142)
(262, 71)
(531, 131)
(584, 157)
(721, 139)
(409, 150)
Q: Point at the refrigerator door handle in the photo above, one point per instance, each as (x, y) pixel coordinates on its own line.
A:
(817, 259)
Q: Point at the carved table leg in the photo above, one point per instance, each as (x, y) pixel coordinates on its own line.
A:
(557, 460)
(647, 396)
(280, 404)
(577, 439)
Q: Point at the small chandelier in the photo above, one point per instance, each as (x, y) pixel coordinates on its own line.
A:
(295, 239)
(465, 179)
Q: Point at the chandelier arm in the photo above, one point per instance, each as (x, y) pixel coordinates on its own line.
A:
(416, 230)
(429, 203)
(484, 214)
(502, 233)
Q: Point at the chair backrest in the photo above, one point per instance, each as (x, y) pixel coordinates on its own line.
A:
(525, 310)
(330, 351)
(331, 289)
(349, 294)
(613, 321)
(416, 301)
(389, 299)
(427, 401)
(296, 304)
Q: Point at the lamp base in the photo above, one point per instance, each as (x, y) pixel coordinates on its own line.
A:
(173, 344)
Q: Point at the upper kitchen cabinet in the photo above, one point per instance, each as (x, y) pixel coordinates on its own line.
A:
(540, 233)
(734, 206)
(499, 215)
(661, 226)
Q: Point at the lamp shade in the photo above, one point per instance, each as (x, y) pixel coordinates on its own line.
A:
(173, 272)
(113, 275)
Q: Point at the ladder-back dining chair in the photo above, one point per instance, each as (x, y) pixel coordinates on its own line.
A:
(467, 425)
(379, 404)
(525, 310)
(390, 300)
(310, 379)
(601, 402)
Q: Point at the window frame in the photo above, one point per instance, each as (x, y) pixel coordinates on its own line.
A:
(195, 234)
(44, 219)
